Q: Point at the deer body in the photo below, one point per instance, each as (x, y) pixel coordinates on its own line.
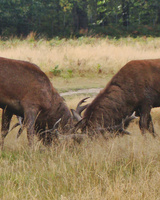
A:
(135, 87)
(27, 92)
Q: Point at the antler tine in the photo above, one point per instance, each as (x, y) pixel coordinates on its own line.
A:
(52, 129)
(80, 108)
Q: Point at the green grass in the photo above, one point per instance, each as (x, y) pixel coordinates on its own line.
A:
(76, 83)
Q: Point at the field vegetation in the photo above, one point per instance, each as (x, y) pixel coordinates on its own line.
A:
(121, 168)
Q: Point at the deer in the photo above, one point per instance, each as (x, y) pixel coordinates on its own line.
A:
(27, 92)
(76, 137)
(135, 88)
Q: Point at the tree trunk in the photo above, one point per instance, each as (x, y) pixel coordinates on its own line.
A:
(125, 12)
(80, 18)
(158, 13)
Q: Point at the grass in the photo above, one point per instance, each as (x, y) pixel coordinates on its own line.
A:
(121, 168)
(83, 58)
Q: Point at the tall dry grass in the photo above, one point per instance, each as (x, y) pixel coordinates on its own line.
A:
(85, 54)
(93, 60)
(122, 168)
(119, 169)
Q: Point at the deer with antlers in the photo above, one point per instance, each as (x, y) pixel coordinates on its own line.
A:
(134, 88)
(28, 93)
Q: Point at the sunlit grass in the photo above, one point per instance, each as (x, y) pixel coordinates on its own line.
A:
(83, 62)
(121, 168)
(88, 56)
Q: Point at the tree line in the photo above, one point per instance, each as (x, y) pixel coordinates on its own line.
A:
(74, 17)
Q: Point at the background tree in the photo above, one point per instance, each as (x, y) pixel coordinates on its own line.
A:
(125, 12)
(67, 17)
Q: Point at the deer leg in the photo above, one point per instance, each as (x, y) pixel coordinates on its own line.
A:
(6, 119)
(145, 122)
(150, 126)
(29, 120)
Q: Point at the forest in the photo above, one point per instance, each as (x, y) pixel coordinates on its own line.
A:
(68, 18)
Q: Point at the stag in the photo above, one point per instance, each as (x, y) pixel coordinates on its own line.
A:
(28, 93)
(77, 115)
(134, 88)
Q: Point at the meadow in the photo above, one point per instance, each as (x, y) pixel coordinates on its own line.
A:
(121, 168)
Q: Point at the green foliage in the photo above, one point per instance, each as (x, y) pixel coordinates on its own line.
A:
(99, 70)
(75, 17)
(56, 71)
(70, 73)
(64, 73)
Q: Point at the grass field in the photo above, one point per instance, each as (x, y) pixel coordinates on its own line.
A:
(120, 169)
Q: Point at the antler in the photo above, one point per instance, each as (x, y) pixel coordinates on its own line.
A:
(52, 129)
(120, 127)
(80, 108)
(77, 113)
(75, 137)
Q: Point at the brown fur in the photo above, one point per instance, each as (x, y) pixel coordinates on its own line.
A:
(136, 87)
(27, 92)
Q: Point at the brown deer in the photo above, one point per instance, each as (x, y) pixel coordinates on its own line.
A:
(135, 87)
(27, 92)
